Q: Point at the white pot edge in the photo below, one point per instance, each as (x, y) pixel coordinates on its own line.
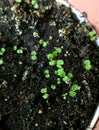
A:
(82, 19)
(79, 15)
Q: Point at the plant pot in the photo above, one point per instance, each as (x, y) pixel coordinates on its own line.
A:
(49, 67)
(90, 8)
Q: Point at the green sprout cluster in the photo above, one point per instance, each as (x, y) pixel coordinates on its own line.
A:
(18, 51)
(47, 74)
(42, 42)
(2, 51)
(87, 64)
(59, 64)
(61, 75)
(33, 55)
(73, 90)
(54, 54)
(44, 92)
(92, 36)
(35, 4)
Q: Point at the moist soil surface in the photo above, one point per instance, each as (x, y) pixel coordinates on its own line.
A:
(22, 106)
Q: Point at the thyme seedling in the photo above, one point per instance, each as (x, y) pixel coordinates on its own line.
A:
(19, 51)
(42, 42)
(52, 63)
(44, 92)
(47, 75)
(1, 61)
(2, 51)
(53, 87)
(92, 36)
(73, 90)
(87, 64)
(35, 4)
(58, 81)
(33, 55)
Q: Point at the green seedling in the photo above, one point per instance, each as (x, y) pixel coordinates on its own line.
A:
(53, 87)
(33, 55)
(35, 4)
(91, 33)
(58, 81)
(2, 51)
(44, 90)
(72, 93)
(73, 90)
(61, 72)
(66, 79)
(92, 36)
(70, 75)
(15, 48)
(52, 63)
(87, 64)
(75, 87)
(64, 95)
(50, 56)
(43, 43)
(1, 62)
(47, 75)
(19, 1)
(58, 50)
(19, 51)
(60, 63)
(54, 53)
(45, 96)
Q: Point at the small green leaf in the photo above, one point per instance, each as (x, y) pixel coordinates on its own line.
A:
(70, 75)
(19, 51)
(65, 94)
(44, 90)
(3, 50)
(15, 48)
(61, 72)
(75, 87)
(33, 53)
(72, 93)
(60, 62)
(58, 49)
(66, 79)
(58, 81)
(42, 42)
(19, 1)
(93, 38)
(91, 33)
(47, 75)
(33, 57)
(87, 62)
(50, 56)
(45, 96)
(52, 63)
(53, 87)
(1, 62)
(54, 53)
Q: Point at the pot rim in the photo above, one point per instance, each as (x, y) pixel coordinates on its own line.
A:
(80, 16)
(84, 19)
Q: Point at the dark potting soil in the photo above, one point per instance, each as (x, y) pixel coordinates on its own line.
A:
(22, 106)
